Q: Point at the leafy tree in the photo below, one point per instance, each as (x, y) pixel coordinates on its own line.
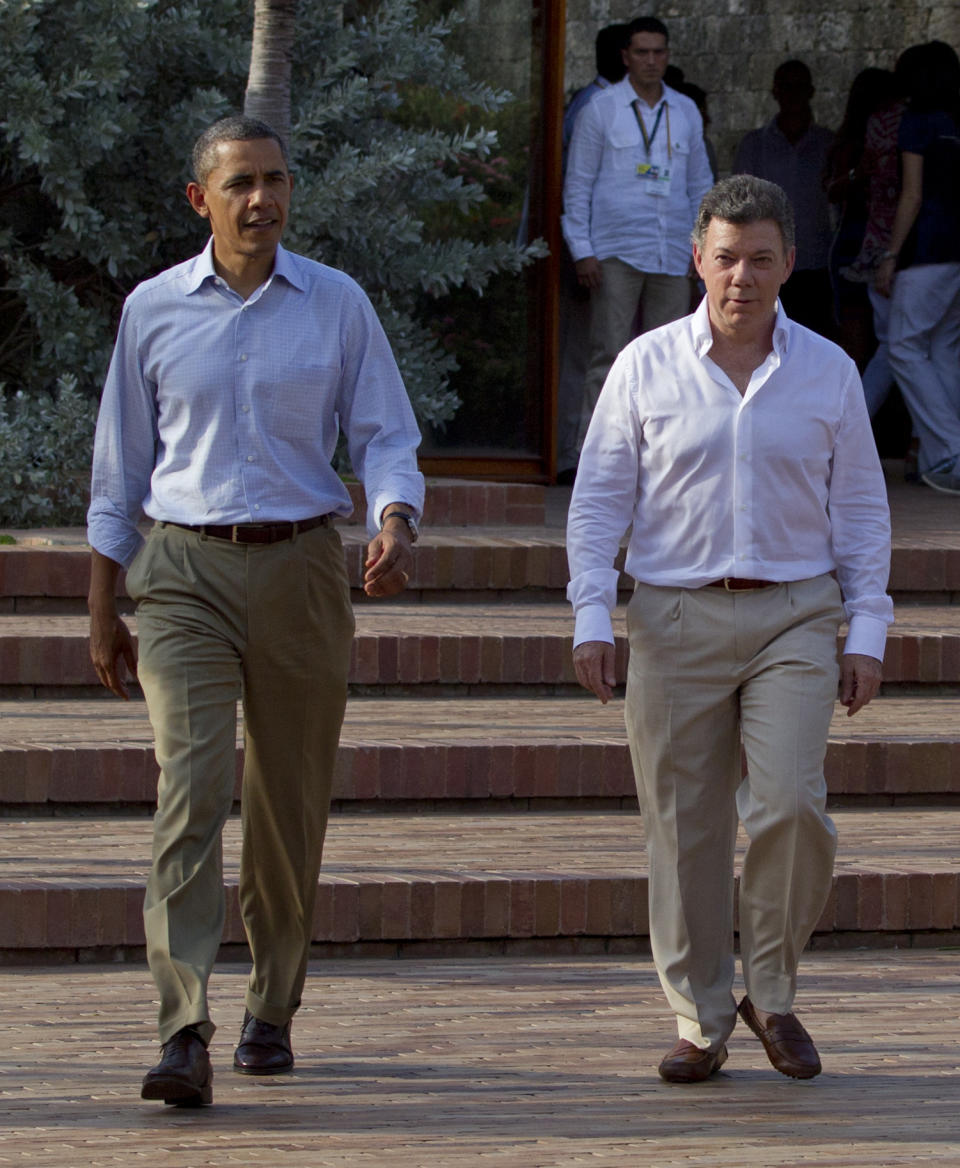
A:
(100, 102)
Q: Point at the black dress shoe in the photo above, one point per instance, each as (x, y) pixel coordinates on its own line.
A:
(183, 1077)
(263, 1049)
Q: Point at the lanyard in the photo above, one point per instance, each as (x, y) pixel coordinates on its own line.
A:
(648, 138)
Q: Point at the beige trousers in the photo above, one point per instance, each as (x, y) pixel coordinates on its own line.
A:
(271, 625)
(613, 310)
(709, 668)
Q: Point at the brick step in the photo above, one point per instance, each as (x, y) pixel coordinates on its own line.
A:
(404, 644)
(449, 752)
(72, 887)
(450, 562)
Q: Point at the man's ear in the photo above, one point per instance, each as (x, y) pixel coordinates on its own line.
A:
(791, 260)
(198, 201)
(698, 261)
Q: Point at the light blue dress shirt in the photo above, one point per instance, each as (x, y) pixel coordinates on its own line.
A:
(609, 210)
(220, 410)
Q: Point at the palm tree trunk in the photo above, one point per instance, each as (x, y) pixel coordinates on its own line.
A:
(268, 83)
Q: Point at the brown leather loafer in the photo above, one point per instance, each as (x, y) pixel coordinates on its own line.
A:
(789, 1047)
(183, 1077)
(263, 1049)
(687, 1063)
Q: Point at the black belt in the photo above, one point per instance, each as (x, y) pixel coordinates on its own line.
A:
(255, 532)
(735, 584)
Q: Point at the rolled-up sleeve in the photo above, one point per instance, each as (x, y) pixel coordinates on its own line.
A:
(124, 452)
(376, 415)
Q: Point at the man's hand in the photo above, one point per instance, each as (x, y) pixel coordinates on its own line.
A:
(388, 563)
(589, 272)
(594, 662)
(860, 678)
(111, 644)
(110, 640)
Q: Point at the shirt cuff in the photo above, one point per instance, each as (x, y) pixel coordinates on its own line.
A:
(593, 623)
(866, 635)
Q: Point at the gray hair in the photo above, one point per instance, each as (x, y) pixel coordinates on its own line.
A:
(743, 198)
(236, 128)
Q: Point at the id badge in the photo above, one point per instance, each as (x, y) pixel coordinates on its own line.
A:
(655, 179)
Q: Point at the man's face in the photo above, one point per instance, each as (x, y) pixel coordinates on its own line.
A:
(742, 266)
(646, 58)
(246, 198)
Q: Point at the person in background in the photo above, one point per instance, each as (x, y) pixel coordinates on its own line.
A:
(848, 190)
(920, 271)
(636, 173)
(791, 150)
(574, 307)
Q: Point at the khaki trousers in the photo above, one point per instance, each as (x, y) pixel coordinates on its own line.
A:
(707, 669)
(270, 624)
(613, 310)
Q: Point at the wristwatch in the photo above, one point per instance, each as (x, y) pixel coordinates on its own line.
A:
(407, 519)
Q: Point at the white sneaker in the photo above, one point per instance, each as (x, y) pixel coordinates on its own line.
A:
(940, 481)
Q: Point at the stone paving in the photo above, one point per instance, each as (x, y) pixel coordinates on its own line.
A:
(514, 1063)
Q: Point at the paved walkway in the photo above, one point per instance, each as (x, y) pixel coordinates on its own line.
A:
(513, 1062)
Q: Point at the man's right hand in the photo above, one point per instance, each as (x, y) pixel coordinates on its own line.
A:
(589, 272)
(594, 662)
(110, 640)
(111, 644)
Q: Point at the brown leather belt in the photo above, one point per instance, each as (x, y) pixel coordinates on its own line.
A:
(255, 532)
(735, 584)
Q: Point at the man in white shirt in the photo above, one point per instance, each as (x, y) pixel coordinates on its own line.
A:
(636, 172)
(738, 445)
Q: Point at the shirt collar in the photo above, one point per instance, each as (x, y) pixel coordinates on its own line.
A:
(202, 269)
(629, 94)
(702, 335)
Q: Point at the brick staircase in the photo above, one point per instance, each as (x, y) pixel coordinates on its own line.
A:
(482, 801)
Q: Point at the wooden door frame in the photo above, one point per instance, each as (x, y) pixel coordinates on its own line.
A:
(545, 223)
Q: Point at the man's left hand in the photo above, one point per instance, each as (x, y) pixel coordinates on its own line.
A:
(860, 678)
(388, 563)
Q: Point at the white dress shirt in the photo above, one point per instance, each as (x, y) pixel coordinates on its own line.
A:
(220, 410)
(781, 483)
(609, 211)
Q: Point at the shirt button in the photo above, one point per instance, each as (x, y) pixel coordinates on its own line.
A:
(243, 356)
(249, 458)
(256, 506)
(246, 409)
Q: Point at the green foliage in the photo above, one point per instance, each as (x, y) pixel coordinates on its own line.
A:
(100, 103)
(46, 441)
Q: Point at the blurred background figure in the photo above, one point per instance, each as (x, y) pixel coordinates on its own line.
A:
(791, 150)
(848, 189)
(920, 270)
(574, 300)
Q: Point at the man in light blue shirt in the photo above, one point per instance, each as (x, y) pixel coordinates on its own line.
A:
(636, 172)
(232, 376)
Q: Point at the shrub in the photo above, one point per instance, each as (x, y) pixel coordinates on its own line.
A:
(101, 102)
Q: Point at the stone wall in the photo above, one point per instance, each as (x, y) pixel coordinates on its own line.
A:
(729, 47)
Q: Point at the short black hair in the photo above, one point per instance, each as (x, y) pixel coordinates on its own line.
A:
(646, 24)
(236, 128)
(609, 47)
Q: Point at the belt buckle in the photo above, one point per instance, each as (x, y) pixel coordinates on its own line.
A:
(233, 533)
(726, 584)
